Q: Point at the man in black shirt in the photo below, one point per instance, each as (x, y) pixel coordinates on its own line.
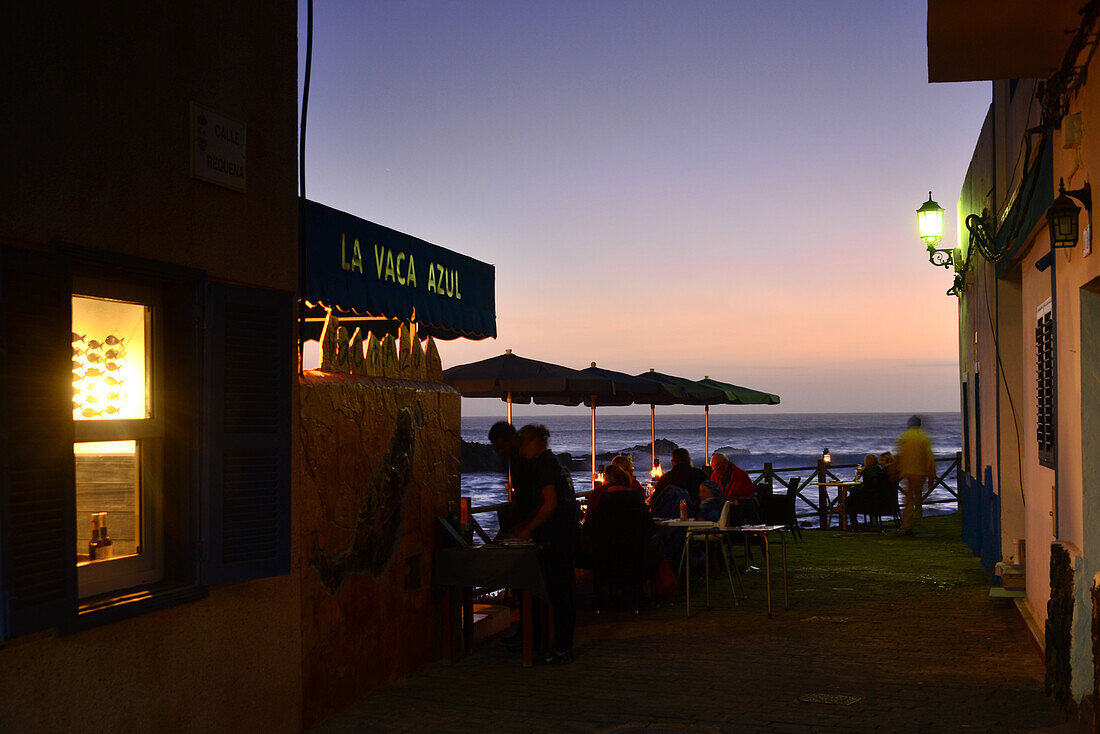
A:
(555, 526)
(521, 497)
(683, 475)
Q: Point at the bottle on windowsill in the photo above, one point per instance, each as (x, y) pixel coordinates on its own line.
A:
(106, 548)
(93, 544)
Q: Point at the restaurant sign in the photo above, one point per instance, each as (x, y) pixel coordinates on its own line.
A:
(365, 268)
(217, 148)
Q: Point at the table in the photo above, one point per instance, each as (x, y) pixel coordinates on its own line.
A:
(762, 531)
(841, 498)
(697, 528)
(705, 527)
(489, 566)
(686, 523)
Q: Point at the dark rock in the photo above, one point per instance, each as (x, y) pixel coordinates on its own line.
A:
(480, 457)
(664, 448)
(733, 451)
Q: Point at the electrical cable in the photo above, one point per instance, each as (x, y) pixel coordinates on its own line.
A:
(302, 240)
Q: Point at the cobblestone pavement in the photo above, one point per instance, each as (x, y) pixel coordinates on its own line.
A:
(905, 625)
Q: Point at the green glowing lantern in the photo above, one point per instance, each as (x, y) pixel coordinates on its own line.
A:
(930, 222)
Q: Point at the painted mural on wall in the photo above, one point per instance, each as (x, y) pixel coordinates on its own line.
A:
(379, 520)
(379, 447)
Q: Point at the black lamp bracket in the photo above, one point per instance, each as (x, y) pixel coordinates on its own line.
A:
(982, 238)
(942, 258)
(1083, 195)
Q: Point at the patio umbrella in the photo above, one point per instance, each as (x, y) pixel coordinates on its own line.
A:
(681, 391)
(735, 395)
(516, 379)
(628, 390)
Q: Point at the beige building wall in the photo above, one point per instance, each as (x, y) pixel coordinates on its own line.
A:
(96, 131)
(1038, 480)
(1012, 395)
(1075, 158)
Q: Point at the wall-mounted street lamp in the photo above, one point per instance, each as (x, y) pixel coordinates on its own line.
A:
(1062, 215)
(930, 224)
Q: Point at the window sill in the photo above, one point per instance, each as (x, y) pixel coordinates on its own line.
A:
(117, 606)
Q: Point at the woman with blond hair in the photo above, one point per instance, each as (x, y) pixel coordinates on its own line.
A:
(626, 463)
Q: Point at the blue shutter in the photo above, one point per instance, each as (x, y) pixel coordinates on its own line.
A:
(249, 373)
(37, 505)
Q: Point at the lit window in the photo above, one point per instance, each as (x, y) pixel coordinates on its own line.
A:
(118, 444)
(109, 359)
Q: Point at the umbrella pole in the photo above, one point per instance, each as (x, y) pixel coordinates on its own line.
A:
(511, 489)
(653, 432)
(706, 431)
(593, 441)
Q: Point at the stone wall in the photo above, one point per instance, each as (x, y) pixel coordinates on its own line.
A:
(379, 462)
(1059, 620)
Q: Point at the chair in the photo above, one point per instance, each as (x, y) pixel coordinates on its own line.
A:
(711, 536)
(884, 496)
(785, 512)
(888, 504)
(619, 529)
(766, 500)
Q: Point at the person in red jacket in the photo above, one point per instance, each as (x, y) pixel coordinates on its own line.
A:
(737, 487)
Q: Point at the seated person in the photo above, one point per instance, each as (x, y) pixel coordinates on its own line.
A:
(626, 463)
(737, 487)
(861, 500)
(886, 461)
(619, 530)
(684, 475)
(665, 502)
(711, 501)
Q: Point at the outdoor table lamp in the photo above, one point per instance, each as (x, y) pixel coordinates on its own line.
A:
(655, 472)
(826, 456)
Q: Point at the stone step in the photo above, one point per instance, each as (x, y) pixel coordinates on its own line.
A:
(1012, 575)
(999, 592)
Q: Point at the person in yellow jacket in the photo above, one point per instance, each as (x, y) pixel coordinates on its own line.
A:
(915, 466)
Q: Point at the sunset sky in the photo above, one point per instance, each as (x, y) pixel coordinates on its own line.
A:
(722, 189)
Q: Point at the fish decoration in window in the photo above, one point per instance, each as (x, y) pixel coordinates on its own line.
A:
(97, 393)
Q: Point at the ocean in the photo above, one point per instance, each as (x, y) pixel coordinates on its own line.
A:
(787, 440)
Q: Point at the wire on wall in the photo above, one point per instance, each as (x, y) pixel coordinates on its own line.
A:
(302, 249)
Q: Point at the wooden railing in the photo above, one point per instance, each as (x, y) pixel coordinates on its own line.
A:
(822, 504)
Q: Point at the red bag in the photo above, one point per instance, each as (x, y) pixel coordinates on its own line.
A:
(664, 581)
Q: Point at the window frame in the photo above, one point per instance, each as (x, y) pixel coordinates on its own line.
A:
(211, 333)
(146, 567)
(172, 430)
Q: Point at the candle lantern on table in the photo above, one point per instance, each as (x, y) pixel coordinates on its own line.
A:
(655, 472)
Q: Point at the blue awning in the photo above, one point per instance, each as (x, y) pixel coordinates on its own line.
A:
(357, 267)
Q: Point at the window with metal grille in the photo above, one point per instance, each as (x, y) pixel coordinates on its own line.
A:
(1044, 382)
